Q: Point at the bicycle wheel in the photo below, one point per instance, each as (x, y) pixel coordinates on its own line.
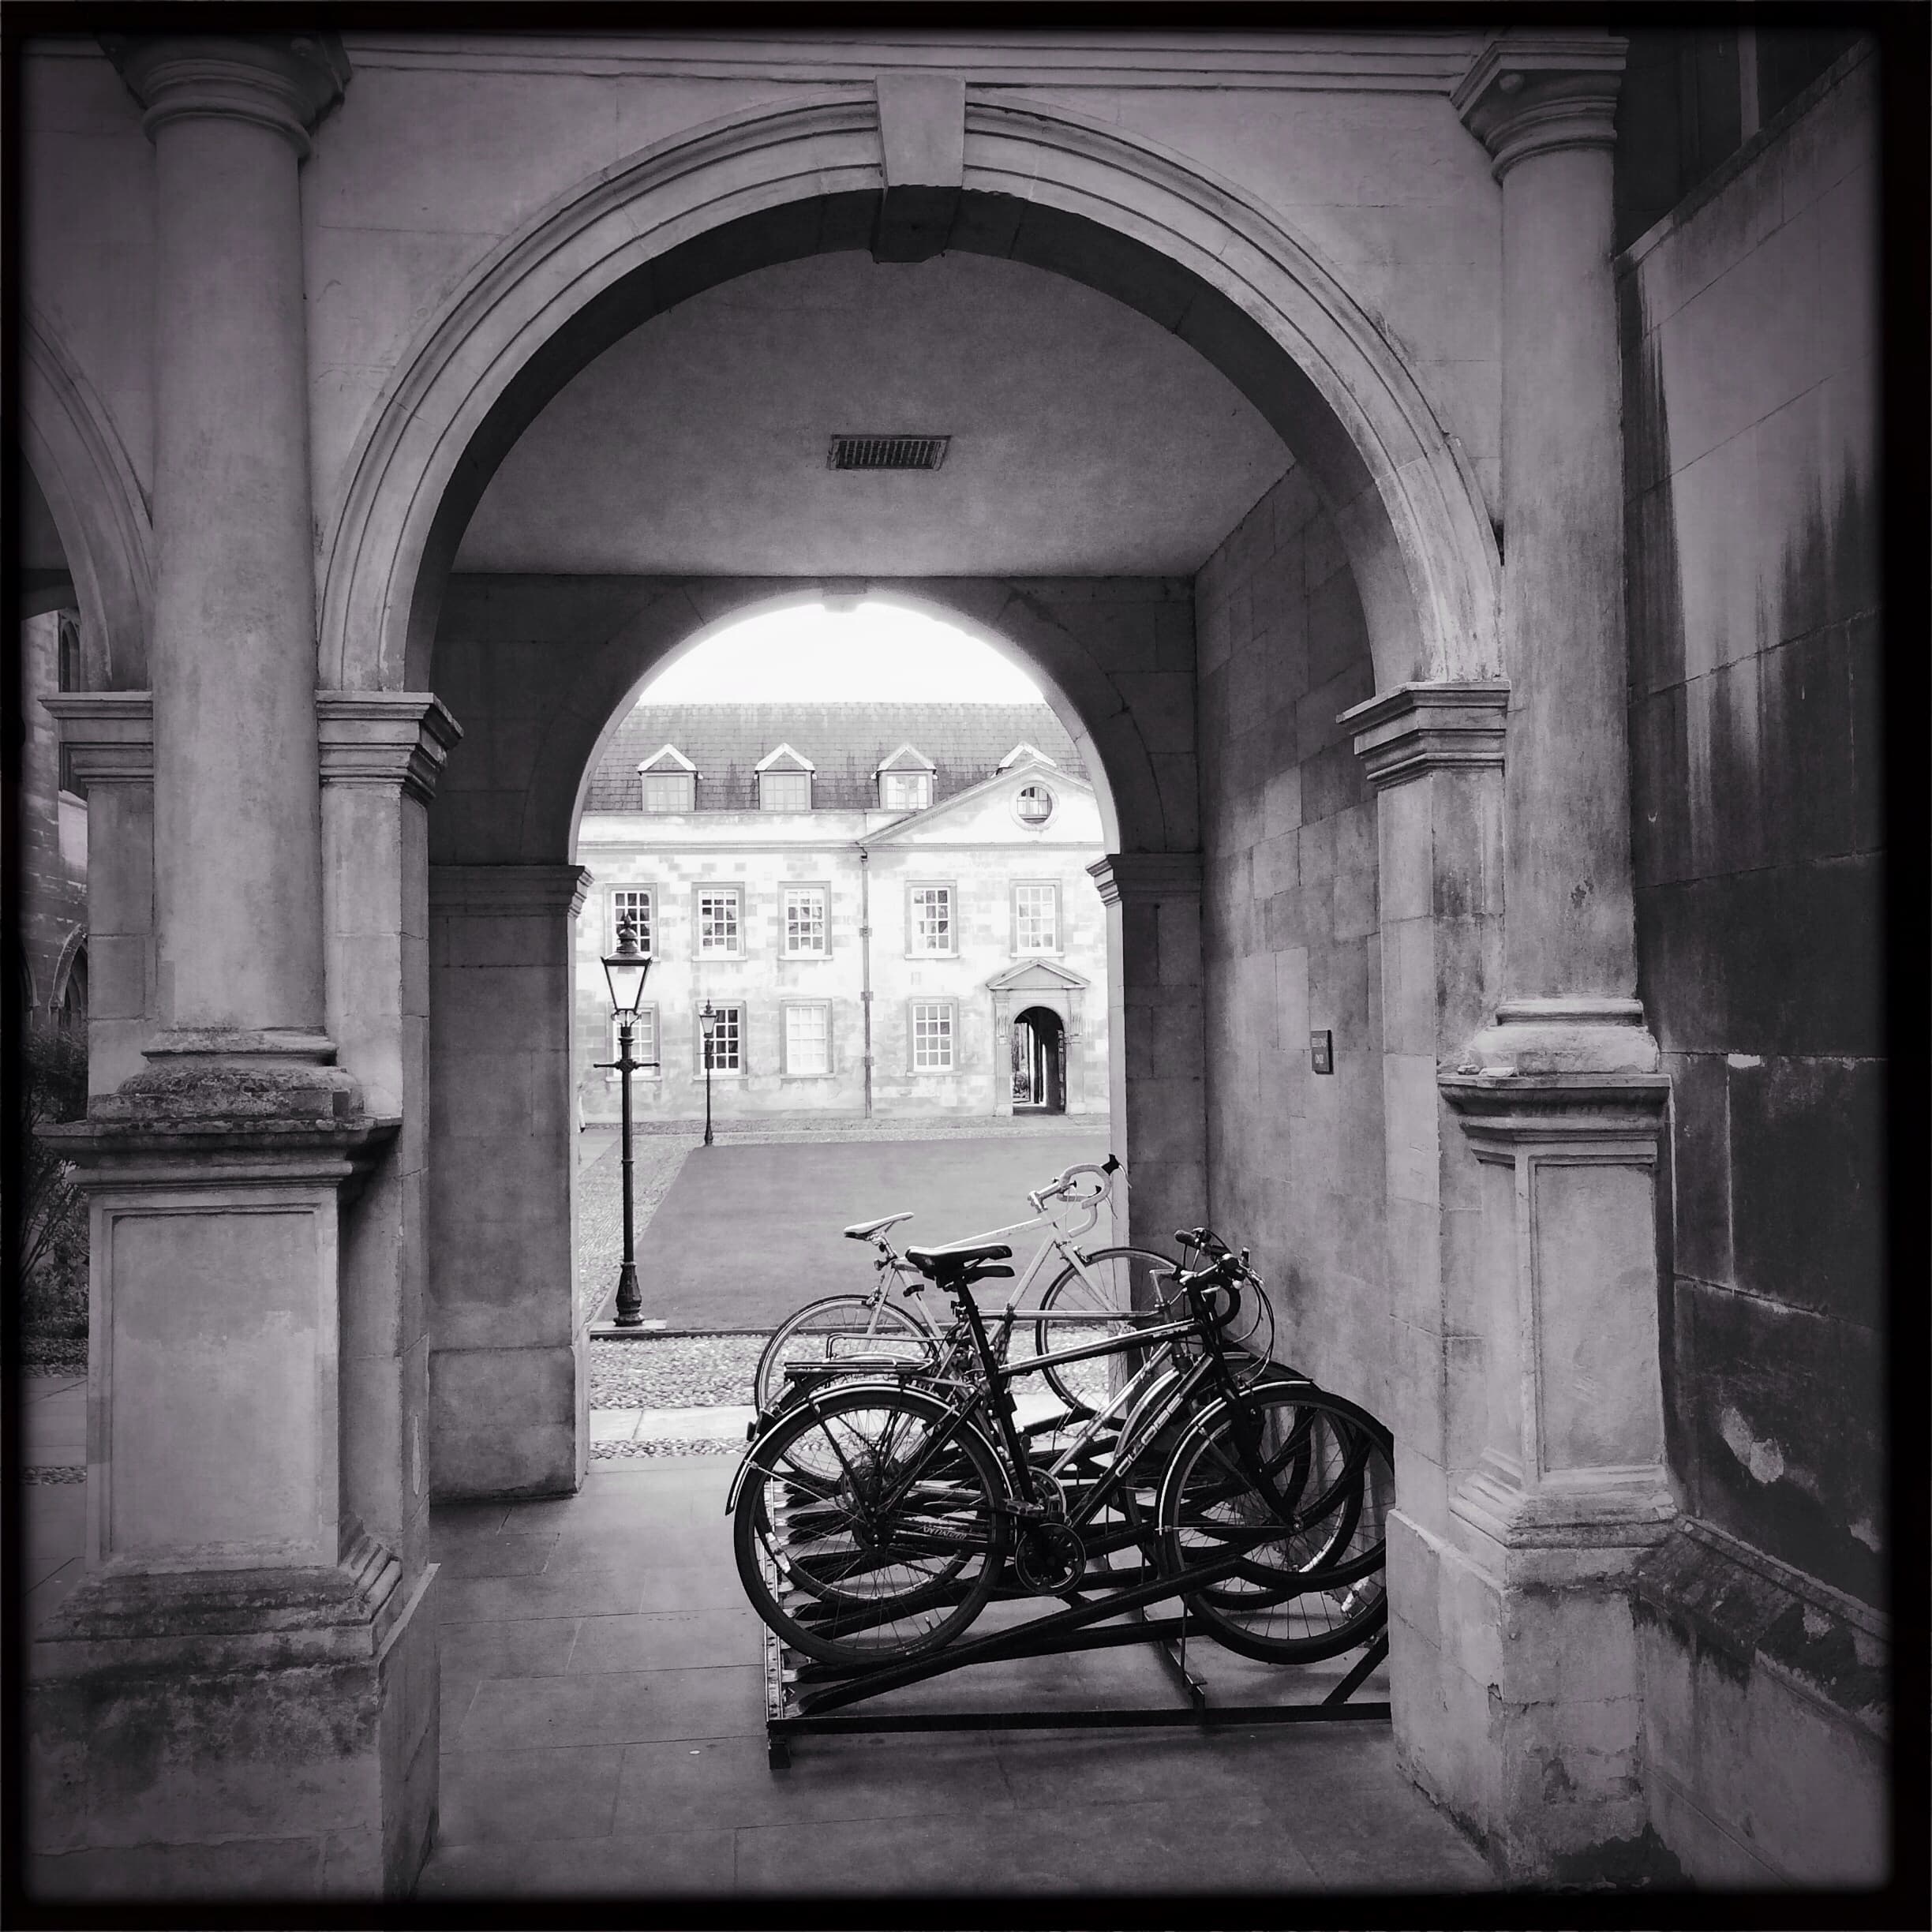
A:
(868, 1529)
(854, 1335)
(1293, 1486)
(1116, 1281)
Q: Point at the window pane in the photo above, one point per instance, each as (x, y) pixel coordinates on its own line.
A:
(636, 907)
(1034, 803)
(932, 918)
(726, 1040)
(932, 1036)
(904, 791)
(807, 1039)
(1036, 918)
(805, 920)
(717, 922)
(643, 1038)
(668, 790)
(784, 791)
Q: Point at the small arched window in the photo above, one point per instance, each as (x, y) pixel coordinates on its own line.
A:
(68, 670)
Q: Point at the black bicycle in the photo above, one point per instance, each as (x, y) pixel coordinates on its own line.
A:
(874, 1520)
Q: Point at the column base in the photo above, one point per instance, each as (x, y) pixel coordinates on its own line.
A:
(263, 1734)
(1518, 1707)
(1574, 1034)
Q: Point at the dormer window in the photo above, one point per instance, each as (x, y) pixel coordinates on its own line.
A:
(905, 791)
(1023, 750)
(668, 782)
(784, 780)
(905, 781)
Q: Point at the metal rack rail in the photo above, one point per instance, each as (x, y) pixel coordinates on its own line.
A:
(805, 1698)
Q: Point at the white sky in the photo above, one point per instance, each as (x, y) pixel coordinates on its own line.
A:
(806, 653)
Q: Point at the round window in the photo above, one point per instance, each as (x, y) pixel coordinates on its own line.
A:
(1033, 805)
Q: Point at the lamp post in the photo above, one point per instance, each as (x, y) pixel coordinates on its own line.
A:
(624, 972)
(708, 1019)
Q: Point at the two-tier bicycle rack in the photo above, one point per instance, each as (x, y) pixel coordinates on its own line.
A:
(804, 1697)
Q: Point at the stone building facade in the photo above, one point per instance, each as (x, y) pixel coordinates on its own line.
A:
(1486, 673)
(942, 953)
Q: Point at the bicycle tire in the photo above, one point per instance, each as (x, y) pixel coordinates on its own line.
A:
(905, 1591)
(810, 1336)
(1317, 1590)
(1127, 1281)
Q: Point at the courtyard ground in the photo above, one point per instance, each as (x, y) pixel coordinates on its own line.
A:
(737, 1235)
(602, 1728)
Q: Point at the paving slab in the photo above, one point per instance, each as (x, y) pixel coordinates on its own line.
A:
(621, 1752)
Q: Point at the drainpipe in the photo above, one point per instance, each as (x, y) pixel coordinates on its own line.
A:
(865, 966)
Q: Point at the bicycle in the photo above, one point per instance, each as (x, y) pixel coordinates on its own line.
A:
(845, 1334)
(874, 1521)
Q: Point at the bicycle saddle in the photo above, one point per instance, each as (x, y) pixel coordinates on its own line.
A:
(864, 1230)
(939, 1262)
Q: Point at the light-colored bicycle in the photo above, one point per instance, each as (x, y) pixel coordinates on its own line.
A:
(886, 1331)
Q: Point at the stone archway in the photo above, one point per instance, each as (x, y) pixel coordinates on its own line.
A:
(1046, 186)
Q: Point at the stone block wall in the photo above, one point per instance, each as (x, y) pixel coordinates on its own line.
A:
(1290, 940)
(1756, 711)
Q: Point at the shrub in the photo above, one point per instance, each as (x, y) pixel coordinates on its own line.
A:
(54, 1219)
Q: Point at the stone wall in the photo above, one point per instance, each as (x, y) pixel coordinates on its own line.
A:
(1750, 354)
(1296, 1160)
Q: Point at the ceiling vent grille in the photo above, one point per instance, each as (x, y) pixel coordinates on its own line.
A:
(887, 452)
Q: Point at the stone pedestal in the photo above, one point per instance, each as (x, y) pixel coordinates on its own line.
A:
(1156, 1042)
(240, 1697)
(508, 1371)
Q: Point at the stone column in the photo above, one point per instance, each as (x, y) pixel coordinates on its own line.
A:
(240, 1696)
(1559, 1096)
(238, 838)
(508, 1371)
(1156, 1042)
(108, 739)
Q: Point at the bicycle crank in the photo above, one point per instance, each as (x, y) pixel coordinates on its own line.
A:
(1048, 1556)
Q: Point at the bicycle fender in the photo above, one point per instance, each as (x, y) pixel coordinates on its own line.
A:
(898, 1390)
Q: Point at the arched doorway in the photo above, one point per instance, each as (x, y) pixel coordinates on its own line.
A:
(1400, 587)
(1038, 1062)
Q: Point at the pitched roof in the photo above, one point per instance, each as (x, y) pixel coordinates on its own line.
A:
(845, 743)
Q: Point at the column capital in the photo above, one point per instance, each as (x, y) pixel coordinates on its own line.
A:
(1142, 878)
(1416, 729)
(108, 736)
(283, 82)
(508, 891)
(385, 741)
(1537, 91)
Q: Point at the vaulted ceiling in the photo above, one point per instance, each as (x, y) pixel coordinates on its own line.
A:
(1087, 439)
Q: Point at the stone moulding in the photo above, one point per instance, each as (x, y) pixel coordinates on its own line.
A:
(1127, 878)
(508, 891)
(1406, 733)
(108, 736)
(285, 83)
(378, 740)
(1535, 92)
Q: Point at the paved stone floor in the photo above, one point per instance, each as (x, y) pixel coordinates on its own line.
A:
(603, 1733)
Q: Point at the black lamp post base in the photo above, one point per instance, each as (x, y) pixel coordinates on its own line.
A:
(630, 1302)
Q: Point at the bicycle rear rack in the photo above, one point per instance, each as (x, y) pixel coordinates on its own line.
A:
(805, 1698)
